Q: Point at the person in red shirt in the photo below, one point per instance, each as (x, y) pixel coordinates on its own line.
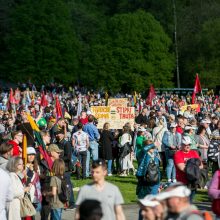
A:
(180, 158)
(83, 118)
(17, 138)
(180, 125)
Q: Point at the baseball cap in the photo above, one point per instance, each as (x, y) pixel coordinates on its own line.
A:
(147, 201)
(141, 129)
(31, 150)
(186, 140)
(205, 121)
(179, 191)
(173, 125)
(188, 127)
(54, 148)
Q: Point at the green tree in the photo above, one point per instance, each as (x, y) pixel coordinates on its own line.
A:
(41, 42)
(136, 53)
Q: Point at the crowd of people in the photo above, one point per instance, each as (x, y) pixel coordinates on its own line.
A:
(43, 144)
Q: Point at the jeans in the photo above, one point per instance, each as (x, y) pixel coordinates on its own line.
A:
(171, 170)
(94, 151)
(67, 176)
(56, 214)
(109, 166)
(82, 157)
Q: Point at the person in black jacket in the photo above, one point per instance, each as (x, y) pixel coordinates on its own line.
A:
(142, 117)
(66, 156)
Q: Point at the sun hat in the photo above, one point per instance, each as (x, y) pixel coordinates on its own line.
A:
(54, 148)
(186, 140)
(147, 201)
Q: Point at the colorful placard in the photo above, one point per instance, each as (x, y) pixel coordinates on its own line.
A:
(120, 102)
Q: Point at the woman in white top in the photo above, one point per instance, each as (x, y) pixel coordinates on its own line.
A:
(125, 161)
(15, 167)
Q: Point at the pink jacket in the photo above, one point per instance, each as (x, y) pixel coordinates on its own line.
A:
(214, 188)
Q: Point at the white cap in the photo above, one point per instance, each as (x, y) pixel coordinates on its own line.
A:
(173, 125)
(205, 121)
(179, 191)
(186, 140)
(31, 150)
(188, 127)
(141, 129)
(88, 112)
(147, 201)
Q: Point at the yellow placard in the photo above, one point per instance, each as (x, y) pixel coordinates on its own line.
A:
(115, 116)
(193, 106)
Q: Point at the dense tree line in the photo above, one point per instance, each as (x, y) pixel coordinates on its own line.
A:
(115, 45)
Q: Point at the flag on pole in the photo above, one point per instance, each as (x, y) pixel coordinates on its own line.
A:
(197, 88)
(58, 108)
(44, 101)
(151, 95)
(24, 150)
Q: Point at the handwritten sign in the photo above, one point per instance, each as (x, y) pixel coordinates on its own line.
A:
(115, 116)
(120, 102)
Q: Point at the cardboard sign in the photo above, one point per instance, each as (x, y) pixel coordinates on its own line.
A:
(115, 116)
(193, 106)
(121, 102)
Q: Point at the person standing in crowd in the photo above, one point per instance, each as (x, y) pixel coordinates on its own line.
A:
(55, 183)
(205, 123)
(176, 197)
(46, 138)
(83, 118)
(125, 160)
(142, 117)
(213, 126)
(32, 170)
(17, 138)
(180, 125)
(151, 209)
(6, 193)
(190, 132)
(66, 155)
(139, 142)
(158, 133)
(106, 193)
(180, 159)
(203, 142)
(214, 193)
(94, 137)
(171, 142)
(60, 126)
(105, 141)
(15, 167)
(26, 129)
(6, 151)
(45, 176)
(80, 142)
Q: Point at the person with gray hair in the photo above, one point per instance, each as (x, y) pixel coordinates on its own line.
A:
(15, 167)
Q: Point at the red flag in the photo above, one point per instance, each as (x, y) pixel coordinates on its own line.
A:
(151, 95)
(197, 88)
(46, 157)
(11, 97)
(44, 101)
(58, 108)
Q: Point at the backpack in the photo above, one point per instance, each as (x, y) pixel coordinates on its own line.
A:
(152, 175)
(213, 150)
(63, 195)
(192, 170)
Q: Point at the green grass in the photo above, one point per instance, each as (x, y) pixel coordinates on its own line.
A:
(127, 186)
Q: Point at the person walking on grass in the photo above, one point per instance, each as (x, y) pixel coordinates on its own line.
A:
(106, 193)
